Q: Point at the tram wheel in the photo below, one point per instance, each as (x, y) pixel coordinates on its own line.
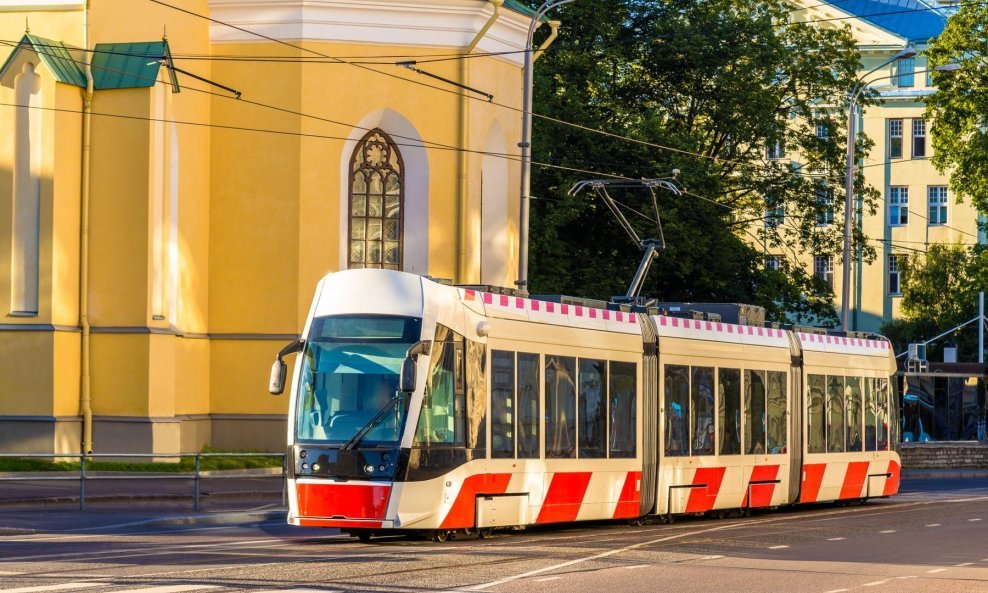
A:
(485, 533)
(363, 536)
(441, 535)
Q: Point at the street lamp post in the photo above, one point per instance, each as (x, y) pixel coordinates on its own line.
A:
(852, 99)
(526, 144)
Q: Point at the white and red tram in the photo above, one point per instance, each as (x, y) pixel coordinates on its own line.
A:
(423, 407)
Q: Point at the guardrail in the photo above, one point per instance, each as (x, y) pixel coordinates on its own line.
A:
(196, 475)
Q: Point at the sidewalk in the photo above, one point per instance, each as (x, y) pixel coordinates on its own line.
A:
(944, 474)
(27, 522)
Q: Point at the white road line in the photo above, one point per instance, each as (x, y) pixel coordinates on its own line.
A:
(973, 520)
(714, 557)
(910, 576)
(777, 547)
(875, 583)
(835, 539)
(634, 566)
(59, 587)
(963, 564)
(9, 572)
(934, 525)
(547, 579)
(837, 590)
(173, 589)
(935, 570)
(887, 531)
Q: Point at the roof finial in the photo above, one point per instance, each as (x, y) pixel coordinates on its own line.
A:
(27, 25)
(164, 32)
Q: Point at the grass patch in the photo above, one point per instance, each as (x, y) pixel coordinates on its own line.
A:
(184, 464)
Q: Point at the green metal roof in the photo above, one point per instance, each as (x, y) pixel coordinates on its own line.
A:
(518, 6)
(130, 65)
(54, 54)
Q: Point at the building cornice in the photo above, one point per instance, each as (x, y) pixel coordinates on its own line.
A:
(34, 5)
(420, 23)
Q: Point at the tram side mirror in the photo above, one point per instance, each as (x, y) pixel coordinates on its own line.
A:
(406, 382)
(278, 371)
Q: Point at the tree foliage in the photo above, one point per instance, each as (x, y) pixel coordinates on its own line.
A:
(706, 86)
(940, 291)
(959, 108)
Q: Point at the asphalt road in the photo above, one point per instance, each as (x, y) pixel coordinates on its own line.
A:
(932, 538)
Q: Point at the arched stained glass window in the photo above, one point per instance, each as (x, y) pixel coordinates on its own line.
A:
(377, 191)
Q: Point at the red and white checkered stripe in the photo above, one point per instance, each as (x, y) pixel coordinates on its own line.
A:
(511, 307)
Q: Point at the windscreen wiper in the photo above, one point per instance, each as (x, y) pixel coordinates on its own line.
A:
(355, 439)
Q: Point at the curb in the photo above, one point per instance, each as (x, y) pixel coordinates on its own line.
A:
(97, 498)
(219, 518)
(16, 531)
(963, 474)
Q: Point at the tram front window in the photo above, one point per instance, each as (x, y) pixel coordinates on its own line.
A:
(349, 380)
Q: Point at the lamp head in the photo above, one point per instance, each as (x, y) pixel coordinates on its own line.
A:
(947, 68)
(905, 53)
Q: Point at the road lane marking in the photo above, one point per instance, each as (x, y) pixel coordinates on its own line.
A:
(634, 566)
(714, 557)
(887, 531)
(935, 570)
(777, 547)
(837, 590)
(543, 579)
(835, 539)
(875, 583)
(934, 525)
(910, 576)
(963, 564)
(170, 589)
(9, 572)
(59, 587)
(973, 520)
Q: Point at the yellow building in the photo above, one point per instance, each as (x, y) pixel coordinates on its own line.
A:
(916, 208)
(167, 205)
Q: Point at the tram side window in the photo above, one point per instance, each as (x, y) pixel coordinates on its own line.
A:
(852, 403)
(895, 424)
(870, 415)
(623, 422)
(777, 406)
(816, 415)
(502, 404)
(835, 417)
(754, 412)
(441, 421)
(677, 410)
(529, 412)
(560, 401)
(729, 411)
(882, 395)
(702, 392)
(593, 408)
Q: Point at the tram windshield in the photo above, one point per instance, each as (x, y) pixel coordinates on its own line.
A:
(349, 376)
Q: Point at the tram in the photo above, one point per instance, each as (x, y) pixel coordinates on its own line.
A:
(422, 407)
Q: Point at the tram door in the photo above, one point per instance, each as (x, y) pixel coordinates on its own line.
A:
(796, 406)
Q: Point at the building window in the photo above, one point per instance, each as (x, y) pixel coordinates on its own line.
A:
(898, 205)
(376, 203)
(822, 132)
(895, 274)
(905, 69)
(776, 150)
(823, 268)
(895, 138)
(937, 199)
(825, 206)
(773, 262)
(775, 215)
(919, 138)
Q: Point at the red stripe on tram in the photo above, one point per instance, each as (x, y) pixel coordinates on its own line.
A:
(761, 494)
(461, 514)
(812, 480)
(629, 503)
(703, 499)
(854, 479)
(892, 482)
(562, 501)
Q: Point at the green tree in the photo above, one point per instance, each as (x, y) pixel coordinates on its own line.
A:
(714, 83)
(940, 291)
(958, 109)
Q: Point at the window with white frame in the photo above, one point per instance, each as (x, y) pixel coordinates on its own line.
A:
(895, 274)
(822, 132)
(776, 150)
(919, 138)
(898, 205)
(825, 206)
(937, 201)
(775, 214)
(823, 268)
(773, 262)
(905, 69)
(895, 138)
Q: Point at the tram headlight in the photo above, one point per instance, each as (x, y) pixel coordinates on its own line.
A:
(369, 468)
(315, 467)
(305, 466)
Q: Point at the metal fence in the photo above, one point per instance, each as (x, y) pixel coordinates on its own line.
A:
(196, 475)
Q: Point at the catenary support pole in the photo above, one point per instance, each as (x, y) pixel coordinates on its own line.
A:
(981, 327)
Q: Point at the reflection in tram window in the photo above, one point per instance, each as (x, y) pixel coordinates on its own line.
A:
(560, 403)
(593, 408)
(677, 410)
(895, 421)
(870, 415)
(835, 417)
(882, 395)
(816, 441)
(729, 411)
(852, 406)
(623, 423)
(776, 432)
(502, 404)
(476, 380)
(702, 392)
(529, 415)
(441, 418)
(754, 412)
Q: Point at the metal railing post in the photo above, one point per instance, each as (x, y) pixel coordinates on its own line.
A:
(196, 481)
(82, 482)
